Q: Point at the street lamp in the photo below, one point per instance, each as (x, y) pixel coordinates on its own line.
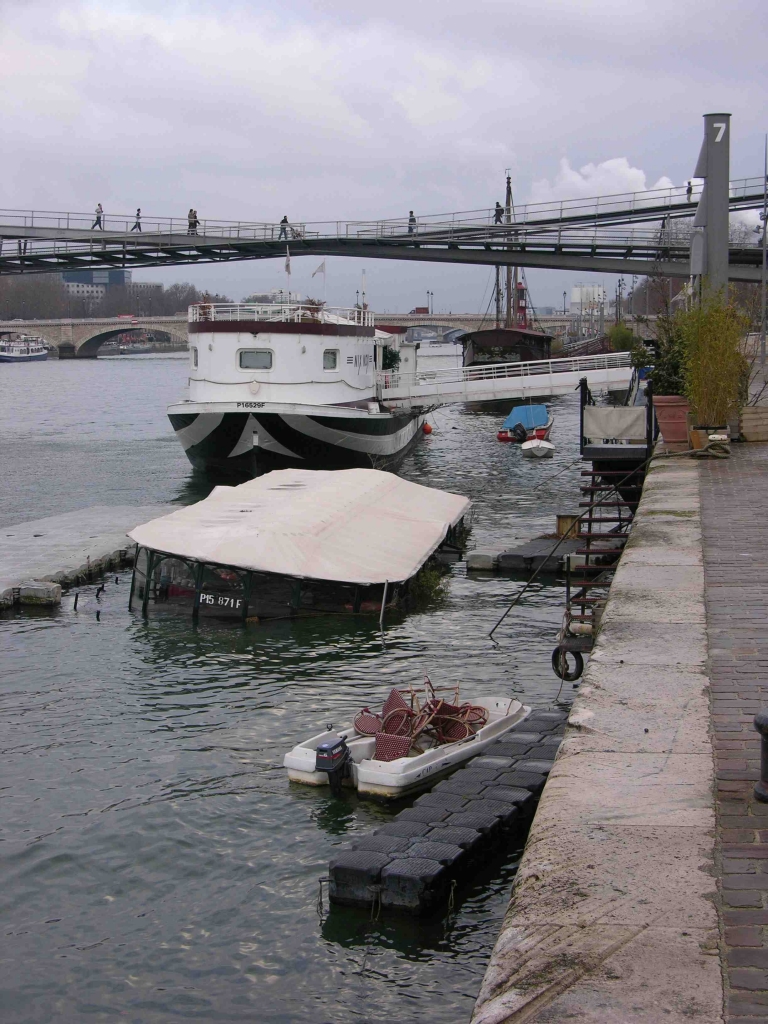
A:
(564, 303)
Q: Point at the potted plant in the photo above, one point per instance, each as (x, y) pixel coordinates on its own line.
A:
(668, 376)
(712, 331)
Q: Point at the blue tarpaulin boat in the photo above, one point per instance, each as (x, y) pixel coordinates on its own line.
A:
(526, 422)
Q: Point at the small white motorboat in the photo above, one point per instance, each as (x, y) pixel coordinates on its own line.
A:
(347, 756)
(537, 449)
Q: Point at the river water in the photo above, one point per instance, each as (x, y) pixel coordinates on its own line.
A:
(155, 864)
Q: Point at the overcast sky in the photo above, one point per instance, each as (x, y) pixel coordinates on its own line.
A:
(326, 109)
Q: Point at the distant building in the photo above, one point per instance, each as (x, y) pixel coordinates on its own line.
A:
(275, 295)
(586, 297)
(93, 284)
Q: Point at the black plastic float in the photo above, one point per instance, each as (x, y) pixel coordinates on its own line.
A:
(413, 863)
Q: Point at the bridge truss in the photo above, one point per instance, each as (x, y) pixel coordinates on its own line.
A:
(633, 233)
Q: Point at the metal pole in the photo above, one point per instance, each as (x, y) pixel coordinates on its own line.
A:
(763, 271)
(383, 604)
(508, 220)
(761, 787)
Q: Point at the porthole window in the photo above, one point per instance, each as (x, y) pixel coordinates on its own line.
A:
(330, 359)
(256, 359)
(193, 351)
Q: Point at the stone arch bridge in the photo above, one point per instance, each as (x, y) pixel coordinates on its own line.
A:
(82, 339)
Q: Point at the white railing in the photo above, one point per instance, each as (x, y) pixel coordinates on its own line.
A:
(287, 312)
(447, 224)
(390, 380)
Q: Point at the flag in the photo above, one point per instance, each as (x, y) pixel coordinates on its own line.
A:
(320, 269)
(287, 261)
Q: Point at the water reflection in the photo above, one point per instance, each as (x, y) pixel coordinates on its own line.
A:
(157, 862)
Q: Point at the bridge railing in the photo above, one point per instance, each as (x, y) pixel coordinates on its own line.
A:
(286, 312)
(392, 380)
(449, 224)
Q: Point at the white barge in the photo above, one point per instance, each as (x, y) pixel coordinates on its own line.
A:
(288, 384)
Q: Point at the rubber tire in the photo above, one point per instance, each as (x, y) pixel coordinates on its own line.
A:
(560, 664)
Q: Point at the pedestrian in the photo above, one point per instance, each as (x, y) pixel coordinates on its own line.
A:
(191, 222)
(498, 213)
(689, 191)
(195, 222)
(283, 228)
(411, 223)
(137, 225)
(99, 214)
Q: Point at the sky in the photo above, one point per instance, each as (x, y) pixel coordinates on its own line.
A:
(337, 109)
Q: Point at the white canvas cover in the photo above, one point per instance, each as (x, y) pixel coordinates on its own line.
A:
(353, 525)
(624, 423)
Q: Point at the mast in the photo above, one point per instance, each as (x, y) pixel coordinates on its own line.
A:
(508, 220)
(498, 295)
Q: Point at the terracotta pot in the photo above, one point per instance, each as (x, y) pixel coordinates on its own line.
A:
(671, 413)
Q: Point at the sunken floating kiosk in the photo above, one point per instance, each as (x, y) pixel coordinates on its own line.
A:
(294, 542)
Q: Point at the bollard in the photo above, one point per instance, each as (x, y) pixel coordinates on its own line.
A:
(761, 787)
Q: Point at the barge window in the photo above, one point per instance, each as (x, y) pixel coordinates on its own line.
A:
(330, 359)
(193, 350)
(255, 359)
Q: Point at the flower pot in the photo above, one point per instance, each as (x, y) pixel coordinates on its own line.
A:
(671, 412)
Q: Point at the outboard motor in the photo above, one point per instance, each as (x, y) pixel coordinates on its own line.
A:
(519, 433)
(333, 756)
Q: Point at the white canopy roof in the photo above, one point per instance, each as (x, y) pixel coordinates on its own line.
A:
(353, 525)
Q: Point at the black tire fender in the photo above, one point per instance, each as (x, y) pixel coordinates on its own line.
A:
(560, 664)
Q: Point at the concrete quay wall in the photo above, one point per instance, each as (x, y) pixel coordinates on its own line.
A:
(612, 916)
(71, 548)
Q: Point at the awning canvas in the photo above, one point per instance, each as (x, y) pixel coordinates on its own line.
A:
(531, 416)
(355, 526)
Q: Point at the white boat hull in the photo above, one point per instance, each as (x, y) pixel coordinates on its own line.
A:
(392, 780)
(537, 449)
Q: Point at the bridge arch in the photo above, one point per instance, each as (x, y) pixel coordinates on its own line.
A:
(89, 347)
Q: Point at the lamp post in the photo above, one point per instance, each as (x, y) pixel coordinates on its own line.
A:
(564, 303)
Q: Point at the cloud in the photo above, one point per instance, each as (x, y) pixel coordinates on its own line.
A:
(327, 109)
(611, 177)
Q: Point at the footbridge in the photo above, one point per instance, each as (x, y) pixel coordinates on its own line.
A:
(671, 232)
(81, 339)
(499, 381)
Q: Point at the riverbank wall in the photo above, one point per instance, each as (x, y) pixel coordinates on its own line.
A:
(68, 550)
(612, 915)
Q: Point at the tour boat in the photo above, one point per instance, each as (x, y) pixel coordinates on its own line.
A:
(525, 423)
(537, 449)
(23, 349)
(347, 756)
(288, 384)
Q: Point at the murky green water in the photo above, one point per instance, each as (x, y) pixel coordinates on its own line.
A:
(155, 865)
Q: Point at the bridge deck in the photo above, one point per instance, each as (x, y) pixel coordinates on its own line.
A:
(498, 381)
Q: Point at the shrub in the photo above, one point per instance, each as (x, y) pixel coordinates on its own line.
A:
(711, 333)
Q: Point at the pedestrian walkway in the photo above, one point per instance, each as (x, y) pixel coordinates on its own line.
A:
(734, 508)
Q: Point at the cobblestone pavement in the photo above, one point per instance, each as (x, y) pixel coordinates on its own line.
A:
(734, 506)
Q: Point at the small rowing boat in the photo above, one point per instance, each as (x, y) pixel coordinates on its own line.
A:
(537, 449)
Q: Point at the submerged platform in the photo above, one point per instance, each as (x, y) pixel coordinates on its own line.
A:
(71, 547)
(414, 863)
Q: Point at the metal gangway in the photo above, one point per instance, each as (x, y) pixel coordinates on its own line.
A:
(499, 381)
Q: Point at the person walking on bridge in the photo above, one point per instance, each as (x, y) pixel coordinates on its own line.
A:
(137, 225)
(689, 191)
(411, 223)
(99, 214)
(191, 222)
(498, 213)
(283, 228)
